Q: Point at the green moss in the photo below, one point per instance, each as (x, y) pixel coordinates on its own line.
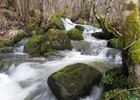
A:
(75, 34)
(131, 28)
(115, 43)
(70, 70)
(76, 79)
(56, 21)
(105, 25)
(131, 6)
(134, 52)
(33, 45)
(57, 39)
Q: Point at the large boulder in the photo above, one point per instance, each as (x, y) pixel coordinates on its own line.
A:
(75, 34)
(74, 81)
(57, 40)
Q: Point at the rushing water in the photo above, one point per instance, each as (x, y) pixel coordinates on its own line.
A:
(28, 79)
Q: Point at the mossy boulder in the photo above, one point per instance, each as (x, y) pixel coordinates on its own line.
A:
(57, 40)
(114, 78)
(33, 45)
(79, 27)
(102, 35)
(75, 34)
(74, 81)
(114, 43)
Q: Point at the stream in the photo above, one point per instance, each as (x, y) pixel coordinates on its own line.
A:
(25, 78)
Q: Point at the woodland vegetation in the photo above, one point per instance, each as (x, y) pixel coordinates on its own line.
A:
(40, 22)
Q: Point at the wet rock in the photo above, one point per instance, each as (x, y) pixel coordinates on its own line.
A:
(101, 35)
(75, 34)
(81, 28)
(74, 81)
(114, 43)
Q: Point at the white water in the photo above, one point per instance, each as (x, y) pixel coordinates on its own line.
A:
(19, 47)
(29, 79)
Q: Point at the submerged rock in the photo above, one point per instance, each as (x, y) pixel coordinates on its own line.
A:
(75, 34)
(74, 81)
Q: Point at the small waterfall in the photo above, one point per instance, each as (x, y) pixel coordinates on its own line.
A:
(28, 80)
(19, 47)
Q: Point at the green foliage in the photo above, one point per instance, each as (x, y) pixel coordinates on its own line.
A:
(134, 52)
(120, 94)
(114, 79)
(75, 34)
(105, 25)
(133, 95)
(131, 28)
(131, 6)
(55, 20)
(108, 79)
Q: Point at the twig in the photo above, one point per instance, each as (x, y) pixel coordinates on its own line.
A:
(129, 45)
(117, 32)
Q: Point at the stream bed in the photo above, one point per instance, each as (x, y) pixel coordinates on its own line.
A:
(25, 78)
